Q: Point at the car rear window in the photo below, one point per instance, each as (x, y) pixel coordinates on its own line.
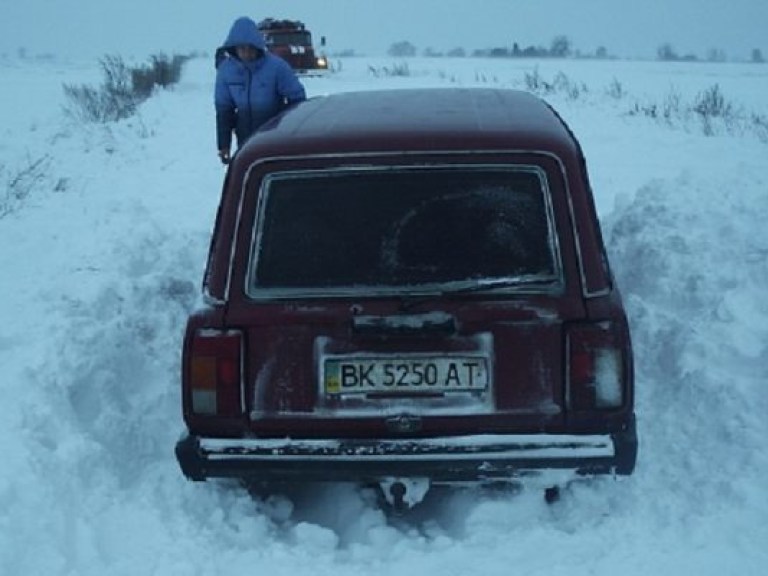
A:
(398, 228)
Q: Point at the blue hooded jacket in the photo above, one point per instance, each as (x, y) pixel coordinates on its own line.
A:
(248, 94)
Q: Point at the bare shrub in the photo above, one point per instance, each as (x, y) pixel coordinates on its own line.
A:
(483, 78)
(672, 107)
(112, 101)
(534, 82)
(163, 71)
(167, 69)
(670, 110)
(400, 69)
(143, 81)
(650, 110)
(443, 75)
(572, 89)
(561, 83)
(712, 103)
(710, 106)
(123, 88)
(19, 186)
(616, 90)
(759, 123)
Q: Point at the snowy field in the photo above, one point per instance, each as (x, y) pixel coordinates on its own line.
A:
(103, 237)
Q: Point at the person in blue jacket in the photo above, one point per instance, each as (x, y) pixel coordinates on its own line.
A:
(252, 85)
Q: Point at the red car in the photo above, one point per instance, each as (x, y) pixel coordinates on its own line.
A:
(406, 288)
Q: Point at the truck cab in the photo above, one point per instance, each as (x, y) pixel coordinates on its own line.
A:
(292, 41)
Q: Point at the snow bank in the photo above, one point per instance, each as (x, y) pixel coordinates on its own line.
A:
(692, 259)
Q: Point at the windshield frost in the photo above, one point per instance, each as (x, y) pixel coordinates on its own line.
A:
(402, 228)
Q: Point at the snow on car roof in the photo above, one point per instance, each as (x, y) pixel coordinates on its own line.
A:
(414, 120)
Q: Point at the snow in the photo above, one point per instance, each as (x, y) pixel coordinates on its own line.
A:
(102, 249)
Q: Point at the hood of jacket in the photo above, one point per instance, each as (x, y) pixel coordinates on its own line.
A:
(244, 31)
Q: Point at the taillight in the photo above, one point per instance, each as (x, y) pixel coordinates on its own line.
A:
(215, 372)
(596, 367)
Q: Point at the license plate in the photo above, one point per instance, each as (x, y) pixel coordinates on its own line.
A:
(405, 375)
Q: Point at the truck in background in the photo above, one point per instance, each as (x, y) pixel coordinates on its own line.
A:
(292, 41)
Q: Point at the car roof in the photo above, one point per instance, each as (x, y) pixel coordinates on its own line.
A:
(419, 120)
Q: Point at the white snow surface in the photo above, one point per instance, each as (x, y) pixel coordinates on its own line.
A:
(102, 248)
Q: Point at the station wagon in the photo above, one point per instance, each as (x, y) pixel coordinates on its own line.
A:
(408, 288)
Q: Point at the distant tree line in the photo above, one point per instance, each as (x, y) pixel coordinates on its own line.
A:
(667, 53)
(560, 47)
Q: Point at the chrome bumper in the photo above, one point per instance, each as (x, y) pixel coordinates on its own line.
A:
(443, 459)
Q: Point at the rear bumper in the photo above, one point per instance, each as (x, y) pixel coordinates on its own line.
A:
(307, 72)
(445, 459)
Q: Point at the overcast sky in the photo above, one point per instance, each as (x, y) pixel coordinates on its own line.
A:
(626, 28)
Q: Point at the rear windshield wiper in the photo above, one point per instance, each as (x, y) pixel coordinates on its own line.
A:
(410, 301)
(484, 285)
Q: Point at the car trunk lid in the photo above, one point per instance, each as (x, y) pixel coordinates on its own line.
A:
(367, 370)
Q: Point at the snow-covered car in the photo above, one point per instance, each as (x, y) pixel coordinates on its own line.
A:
(406, 288)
